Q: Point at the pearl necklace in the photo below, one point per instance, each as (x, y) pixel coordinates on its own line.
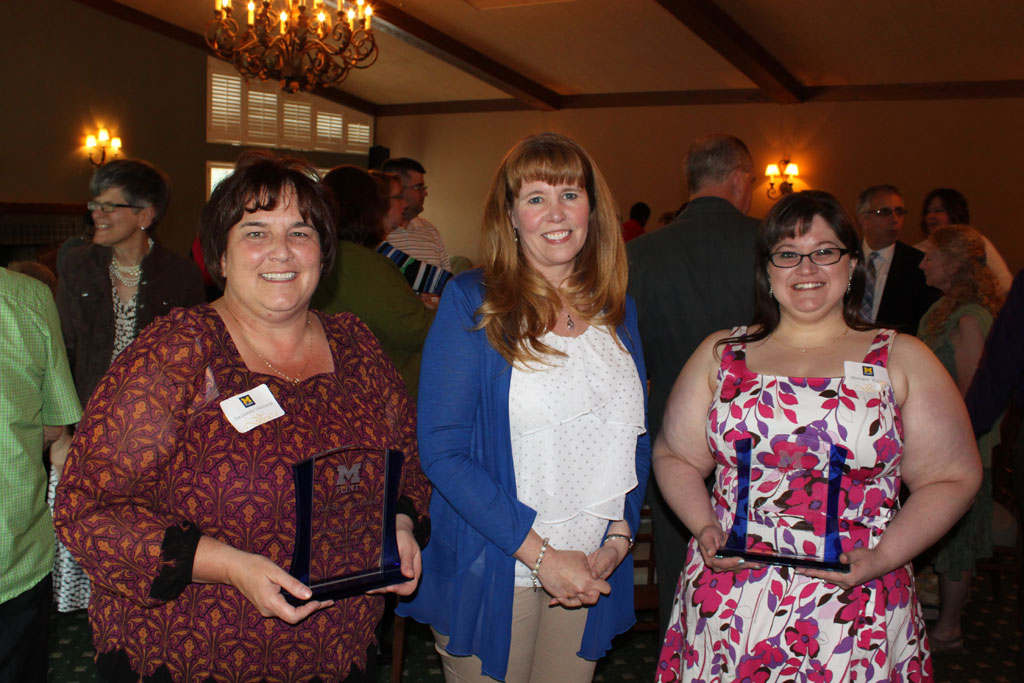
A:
(302, 370)
(129, 276)
(811, 348)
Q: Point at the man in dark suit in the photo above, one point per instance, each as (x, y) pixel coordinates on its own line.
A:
(895, 293)
(689, 279)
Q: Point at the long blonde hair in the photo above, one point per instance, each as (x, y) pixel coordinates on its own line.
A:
(519, 305)
(972, 281)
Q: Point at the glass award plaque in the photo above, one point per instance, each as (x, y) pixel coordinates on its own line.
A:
(763, 537)
(346, 500)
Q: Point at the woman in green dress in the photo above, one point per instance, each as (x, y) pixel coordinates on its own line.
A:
(955, 328)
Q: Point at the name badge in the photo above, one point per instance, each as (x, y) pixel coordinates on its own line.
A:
(250, 409)
(865, 377)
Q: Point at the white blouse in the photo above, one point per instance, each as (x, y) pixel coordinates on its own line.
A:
(574, 423)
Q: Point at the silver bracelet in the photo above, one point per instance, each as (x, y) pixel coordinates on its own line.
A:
(536, 565)
(626, 538)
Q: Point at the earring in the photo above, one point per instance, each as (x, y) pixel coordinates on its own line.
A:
(849, 283)
(771, 292)
(515, 233)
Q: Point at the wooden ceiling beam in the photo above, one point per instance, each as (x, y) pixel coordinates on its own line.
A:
(885, 92)
(716, 28)
(409, 29)
(946, 90)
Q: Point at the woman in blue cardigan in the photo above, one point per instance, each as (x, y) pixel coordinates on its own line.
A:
(532, 430)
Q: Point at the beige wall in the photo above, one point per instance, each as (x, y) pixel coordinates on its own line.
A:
(972, 145)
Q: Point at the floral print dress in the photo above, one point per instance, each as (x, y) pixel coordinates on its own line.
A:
(771, 624)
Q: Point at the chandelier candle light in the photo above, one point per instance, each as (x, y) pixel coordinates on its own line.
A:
(300, 45)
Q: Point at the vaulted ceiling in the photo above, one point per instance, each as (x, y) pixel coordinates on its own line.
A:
(439, 56)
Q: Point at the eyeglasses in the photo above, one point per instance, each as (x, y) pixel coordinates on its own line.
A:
(108, 207)
(888, 211)
(819, 257)
(419, 187)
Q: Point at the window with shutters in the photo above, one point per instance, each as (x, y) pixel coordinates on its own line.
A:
(257, 113)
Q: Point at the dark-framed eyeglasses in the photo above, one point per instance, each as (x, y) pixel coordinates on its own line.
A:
(108, 207)
(888, 211)
(819, 257)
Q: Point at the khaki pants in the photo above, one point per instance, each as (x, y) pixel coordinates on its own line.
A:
(544, 644)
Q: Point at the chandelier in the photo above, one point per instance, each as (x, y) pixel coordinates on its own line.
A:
(303, 48)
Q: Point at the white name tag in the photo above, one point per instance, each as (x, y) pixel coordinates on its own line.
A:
(865, 377)
(250, 409)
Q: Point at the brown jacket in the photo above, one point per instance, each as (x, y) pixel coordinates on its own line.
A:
(86, 304)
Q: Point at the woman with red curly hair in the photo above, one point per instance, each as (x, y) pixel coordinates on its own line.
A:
(955, 328)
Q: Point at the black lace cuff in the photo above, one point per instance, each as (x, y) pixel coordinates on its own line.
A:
(177, 552)
(420, 525)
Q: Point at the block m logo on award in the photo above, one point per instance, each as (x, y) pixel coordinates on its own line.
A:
(348, 476)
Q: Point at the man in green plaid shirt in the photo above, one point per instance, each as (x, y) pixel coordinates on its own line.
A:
(36, 393)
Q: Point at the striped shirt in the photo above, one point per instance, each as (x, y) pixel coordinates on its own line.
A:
(421, 240)
(35, 390)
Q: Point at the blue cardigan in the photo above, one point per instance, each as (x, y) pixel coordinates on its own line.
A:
(477, 523)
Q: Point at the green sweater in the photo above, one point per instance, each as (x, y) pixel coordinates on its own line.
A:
(369, 285)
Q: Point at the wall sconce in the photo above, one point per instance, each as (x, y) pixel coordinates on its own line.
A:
(102, 140)
(786, 186)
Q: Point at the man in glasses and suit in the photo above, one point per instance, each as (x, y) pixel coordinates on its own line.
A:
(895, 293)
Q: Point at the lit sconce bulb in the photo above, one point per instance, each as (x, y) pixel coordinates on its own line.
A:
(90, 142)
(252, 12)
(321, 17)
(104, 135)
(351, 19)
(792, 170)
(772, 170)
(366, 17)
(284, 22)
(115, 144)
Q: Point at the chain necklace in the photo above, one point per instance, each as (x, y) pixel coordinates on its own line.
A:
(811, 348)
(129, 276)
(309, 352)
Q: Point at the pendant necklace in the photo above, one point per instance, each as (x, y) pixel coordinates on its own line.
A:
(302, 370)
(812, 348)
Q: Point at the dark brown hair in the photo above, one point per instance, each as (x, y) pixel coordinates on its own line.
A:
(360, 203)
(259, 181)
(790, 217)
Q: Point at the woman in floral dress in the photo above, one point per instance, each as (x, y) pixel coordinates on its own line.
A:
(810, 406)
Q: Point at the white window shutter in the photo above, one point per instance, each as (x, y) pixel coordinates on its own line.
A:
(243, 112)
(224, 108)
(330, 130)
(359, 135)
(261, 118)
(297, 123)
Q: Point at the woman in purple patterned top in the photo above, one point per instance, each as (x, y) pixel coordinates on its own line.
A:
(182, 510)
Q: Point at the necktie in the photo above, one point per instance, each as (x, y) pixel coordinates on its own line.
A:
(868, 304)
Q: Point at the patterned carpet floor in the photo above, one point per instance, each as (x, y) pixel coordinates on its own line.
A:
(993, 640)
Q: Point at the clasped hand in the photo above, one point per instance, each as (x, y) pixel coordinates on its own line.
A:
(568, 577)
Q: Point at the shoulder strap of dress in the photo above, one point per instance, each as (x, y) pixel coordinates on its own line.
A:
(878, 352)
(729, 350)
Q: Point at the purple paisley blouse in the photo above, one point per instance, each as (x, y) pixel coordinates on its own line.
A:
(155, 464)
